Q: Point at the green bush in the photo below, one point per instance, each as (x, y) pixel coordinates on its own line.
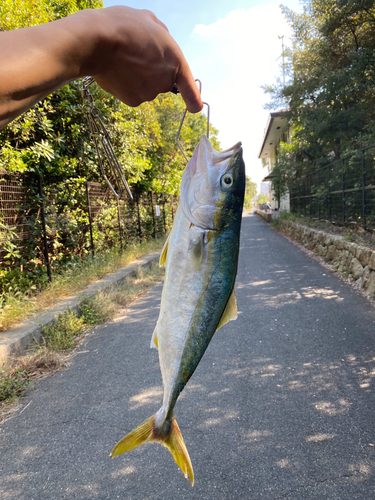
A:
(12, 383)
(97, 310)
(284, 215)
(61, 333)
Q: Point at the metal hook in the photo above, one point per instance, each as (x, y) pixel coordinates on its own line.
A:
(100, 135)
(175, 91)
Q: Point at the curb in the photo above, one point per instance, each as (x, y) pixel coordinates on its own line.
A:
(14, 342)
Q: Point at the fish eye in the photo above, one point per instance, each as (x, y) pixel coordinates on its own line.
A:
(227, 180)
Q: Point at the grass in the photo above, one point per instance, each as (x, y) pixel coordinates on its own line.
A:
(61, 336)
(18, 306)
(284, 215)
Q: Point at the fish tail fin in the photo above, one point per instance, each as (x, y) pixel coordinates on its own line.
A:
(172, 440)
(136, 437)
(176, 445)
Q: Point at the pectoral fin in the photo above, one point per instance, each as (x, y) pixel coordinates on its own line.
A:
(197, 249)
(230, 311)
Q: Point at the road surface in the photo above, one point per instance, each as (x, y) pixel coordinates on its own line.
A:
(280, 407)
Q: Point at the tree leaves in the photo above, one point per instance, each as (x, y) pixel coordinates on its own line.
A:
(330, 92)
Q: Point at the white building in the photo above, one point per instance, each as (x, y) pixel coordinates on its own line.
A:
(276, 131)
(265, 188)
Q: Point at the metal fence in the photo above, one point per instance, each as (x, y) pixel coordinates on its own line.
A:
(342, 192)
(48, 224)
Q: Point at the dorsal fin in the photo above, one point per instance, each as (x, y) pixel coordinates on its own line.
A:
(230, 311)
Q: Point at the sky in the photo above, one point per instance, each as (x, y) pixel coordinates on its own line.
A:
(233, 47)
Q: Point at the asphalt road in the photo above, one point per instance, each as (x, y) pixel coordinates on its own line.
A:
(280, 407)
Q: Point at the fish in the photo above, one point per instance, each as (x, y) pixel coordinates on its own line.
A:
(201, 256)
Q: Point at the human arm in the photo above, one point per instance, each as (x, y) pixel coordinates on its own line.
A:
(129, 52)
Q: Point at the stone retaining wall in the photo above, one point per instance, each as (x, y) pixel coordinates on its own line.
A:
(266, 215)
(352, 260)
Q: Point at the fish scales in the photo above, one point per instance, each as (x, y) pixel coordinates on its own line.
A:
(201, 256)
(217, 287)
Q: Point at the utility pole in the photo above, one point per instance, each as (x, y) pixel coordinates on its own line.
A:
(282, 54)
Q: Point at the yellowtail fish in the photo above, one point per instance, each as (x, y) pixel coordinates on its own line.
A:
(201, 256)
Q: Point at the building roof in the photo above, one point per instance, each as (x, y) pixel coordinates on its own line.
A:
(276, 125)
(268, 177)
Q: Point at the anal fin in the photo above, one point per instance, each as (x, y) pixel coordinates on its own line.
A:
(230, 311)
(154, 339)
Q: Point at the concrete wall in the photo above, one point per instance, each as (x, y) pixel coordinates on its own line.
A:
(265, 215)
(352, 260)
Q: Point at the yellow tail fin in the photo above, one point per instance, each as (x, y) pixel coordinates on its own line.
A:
(173, 441)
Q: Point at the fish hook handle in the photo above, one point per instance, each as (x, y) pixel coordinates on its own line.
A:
(176, 91)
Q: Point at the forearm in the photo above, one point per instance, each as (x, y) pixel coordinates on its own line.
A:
(38, 60)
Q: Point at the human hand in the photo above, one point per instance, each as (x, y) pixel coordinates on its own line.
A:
(129, 52)
(135, 57)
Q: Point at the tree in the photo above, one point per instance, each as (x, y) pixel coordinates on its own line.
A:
(262, 198)
(330, 95)
(250, 193)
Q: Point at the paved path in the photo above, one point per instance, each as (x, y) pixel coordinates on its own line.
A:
(281, 406)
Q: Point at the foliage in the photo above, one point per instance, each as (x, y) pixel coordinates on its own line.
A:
(12, 382)
(7, 237)
(250, 193)
(61, 333)
(97, 309)
(330, 90)
(16, 14)
(284, 215)
(285, 170)
(262, 198)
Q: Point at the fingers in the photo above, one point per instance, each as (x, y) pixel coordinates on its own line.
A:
(189, 90)
(185, 80)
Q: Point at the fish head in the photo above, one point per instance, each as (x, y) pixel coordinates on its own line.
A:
(213, 186)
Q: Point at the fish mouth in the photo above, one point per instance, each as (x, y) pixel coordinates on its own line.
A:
(236, 161)
(234, 149)
(224, 155)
